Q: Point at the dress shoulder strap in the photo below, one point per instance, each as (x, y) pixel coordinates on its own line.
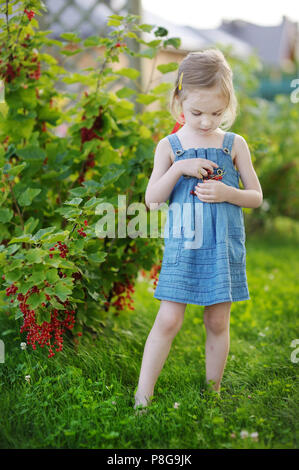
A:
(175, 145)
(228, 142)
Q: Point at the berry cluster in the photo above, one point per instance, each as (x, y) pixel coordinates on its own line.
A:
(11, 290)
(27, 38)
(118, 44)
(43, 333)
(154, 272)
(36, 73)
(12, 69)
(80, 230)
(125, 300)
(62, 248)
(30, 14)
(77, 276)
(89, 134)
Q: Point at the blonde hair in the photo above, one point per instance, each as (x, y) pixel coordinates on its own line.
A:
(205, 69)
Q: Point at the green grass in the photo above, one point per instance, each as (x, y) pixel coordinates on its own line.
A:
(84, 399)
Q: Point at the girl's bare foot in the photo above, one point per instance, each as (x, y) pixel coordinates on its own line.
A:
(141, 405)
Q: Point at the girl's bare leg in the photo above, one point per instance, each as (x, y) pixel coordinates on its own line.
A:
(216, 320)
(167, 324)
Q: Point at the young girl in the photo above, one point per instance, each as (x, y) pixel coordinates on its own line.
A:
(204, 261)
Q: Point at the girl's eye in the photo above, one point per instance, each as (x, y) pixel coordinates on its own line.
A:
(194, 114)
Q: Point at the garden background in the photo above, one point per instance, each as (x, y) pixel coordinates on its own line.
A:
(75, 308)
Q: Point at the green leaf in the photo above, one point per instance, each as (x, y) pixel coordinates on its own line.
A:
(37, 274)
(94, 294)
(42, 233)
(36, 299)
(154, 43)
(149, 53)
(16, 263)
(146, 27)
(124, 109)
(65, 264)
(145, 99)
(5, 215)
(116, 17)
(170, 67)
(93, 41)
(35, 255)
(54, 302)
(69, 212)
(97, 257)
(49, 115)
(15, 170)
(43, 314)
(13, 276)
(30, 225)
(62, 291)
(175, 42)
(59, 236)
(128, 72)
(78, 245)
(31, 152)
(92, 202)
(19, 314)
(162, 88)
(27, 197)
(74, 202)
(79, 191)
(52, 276)
(70, 37)
(21, 239)
(112, 176)
(160, 31)
(69, 52)
(113, 23)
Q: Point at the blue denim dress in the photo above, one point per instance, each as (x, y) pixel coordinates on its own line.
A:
(204, 259)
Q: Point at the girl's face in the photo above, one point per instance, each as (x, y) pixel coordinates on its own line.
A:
(203, 110)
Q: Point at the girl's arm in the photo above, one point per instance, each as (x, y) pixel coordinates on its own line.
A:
(252, 195)
(164, 176)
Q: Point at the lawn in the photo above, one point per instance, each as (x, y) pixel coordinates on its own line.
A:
(84, 398)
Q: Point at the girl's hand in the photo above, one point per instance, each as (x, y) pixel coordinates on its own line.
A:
(211, 191)
(197, 167)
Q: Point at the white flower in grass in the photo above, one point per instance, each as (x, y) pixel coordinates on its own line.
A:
(254, 436)
(271, 276)
(113, 402)
(27, 378)
(261, 333)
(266, 287)
(244, 434)
(176, 405)
(23, 345)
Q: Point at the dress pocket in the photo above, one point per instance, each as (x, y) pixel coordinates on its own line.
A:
(236, 245)
(172, 240)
